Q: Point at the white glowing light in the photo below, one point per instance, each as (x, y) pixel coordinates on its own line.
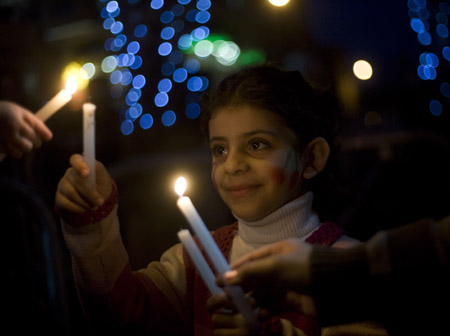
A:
(279, 3)
(71, 85)
(180, 186)
(362, 70)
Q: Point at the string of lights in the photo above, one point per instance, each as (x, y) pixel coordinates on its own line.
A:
(178, 67)
(432, 33)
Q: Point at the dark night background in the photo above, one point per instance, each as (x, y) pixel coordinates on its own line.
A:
(395, 151)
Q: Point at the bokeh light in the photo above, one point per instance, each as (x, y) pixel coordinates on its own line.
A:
(362, 70)
(279, 3)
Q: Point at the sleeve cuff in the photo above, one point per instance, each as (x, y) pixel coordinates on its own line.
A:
(91, 216)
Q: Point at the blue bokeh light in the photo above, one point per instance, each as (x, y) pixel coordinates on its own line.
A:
(167, 33)
(435, 107)
(146, 121)
(446, 53)
(192, 65)
(161, 99)
(126, 127)
(140, 30)
(180, 75)
(117, 27)
(417, 25)
(127, 77)
(424, 38)
(442, 30)
(202, 17)
(157, 4)
(194, 84)
(192, 110)
(112, 6)
(133, 47)
(445, 89)
(168, 118)
(167, 17)
(165, 48)
(203, 4)
(165, 85)
(139, 81)
(115, 77)
(137, 63)
(135, 110)
(190, 15)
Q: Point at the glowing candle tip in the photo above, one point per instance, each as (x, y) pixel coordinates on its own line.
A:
(180, 186)
(71, 85)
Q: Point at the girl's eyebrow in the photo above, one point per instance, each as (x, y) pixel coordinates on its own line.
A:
(249, 134)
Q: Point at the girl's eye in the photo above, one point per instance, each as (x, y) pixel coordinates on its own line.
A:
(218, 150)
(258, 145)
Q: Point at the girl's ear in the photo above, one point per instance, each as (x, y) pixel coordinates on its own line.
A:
(315, 157)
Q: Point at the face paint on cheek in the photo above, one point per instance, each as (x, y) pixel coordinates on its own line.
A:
(278, 175)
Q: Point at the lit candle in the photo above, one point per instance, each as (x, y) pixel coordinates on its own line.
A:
(212, 250)
(199, 261)
(89, 140)
(54, 104)
(58, 101)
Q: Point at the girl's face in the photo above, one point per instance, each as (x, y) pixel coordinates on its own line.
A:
(256, 165)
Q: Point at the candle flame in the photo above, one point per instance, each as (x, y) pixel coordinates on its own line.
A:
(71, 85)
(180, 186)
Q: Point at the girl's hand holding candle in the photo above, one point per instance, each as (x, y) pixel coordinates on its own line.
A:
(212, 250)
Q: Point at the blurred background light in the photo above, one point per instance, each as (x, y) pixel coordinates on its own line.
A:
(362, 70)
(279, 3)
(168, 118)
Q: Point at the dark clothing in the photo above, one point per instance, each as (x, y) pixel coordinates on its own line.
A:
(400, 278)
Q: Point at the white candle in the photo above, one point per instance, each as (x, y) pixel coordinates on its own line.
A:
(212, 250)
(54, 104)
(58, 101)
(199, 261)
(89, 140)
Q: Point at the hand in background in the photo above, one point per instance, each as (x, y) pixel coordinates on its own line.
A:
(285, 264)
(20, 130)
(225, 318)
(74, 195)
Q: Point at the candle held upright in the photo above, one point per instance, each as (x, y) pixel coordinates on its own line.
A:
(89, 140)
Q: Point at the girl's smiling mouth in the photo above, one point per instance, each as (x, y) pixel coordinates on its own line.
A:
(241, 190)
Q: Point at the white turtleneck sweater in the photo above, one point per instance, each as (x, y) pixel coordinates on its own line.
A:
(293, 220)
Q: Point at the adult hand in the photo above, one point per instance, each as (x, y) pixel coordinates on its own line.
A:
(20, 130)
(285, 264)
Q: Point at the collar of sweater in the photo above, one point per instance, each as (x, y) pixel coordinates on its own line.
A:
(294, 219)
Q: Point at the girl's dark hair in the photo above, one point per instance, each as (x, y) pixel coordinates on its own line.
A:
(308, 112)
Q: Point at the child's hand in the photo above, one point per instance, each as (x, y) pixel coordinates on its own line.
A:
(226, 319)
(20, 130)
(73, 194)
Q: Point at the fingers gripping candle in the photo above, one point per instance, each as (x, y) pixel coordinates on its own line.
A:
(54, 104)
(212, 250)
(89, 140)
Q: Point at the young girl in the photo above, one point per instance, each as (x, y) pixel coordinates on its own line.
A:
(269, 134)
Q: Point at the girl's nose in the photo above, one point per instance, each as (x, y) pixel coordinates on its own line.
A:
(235, 163)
